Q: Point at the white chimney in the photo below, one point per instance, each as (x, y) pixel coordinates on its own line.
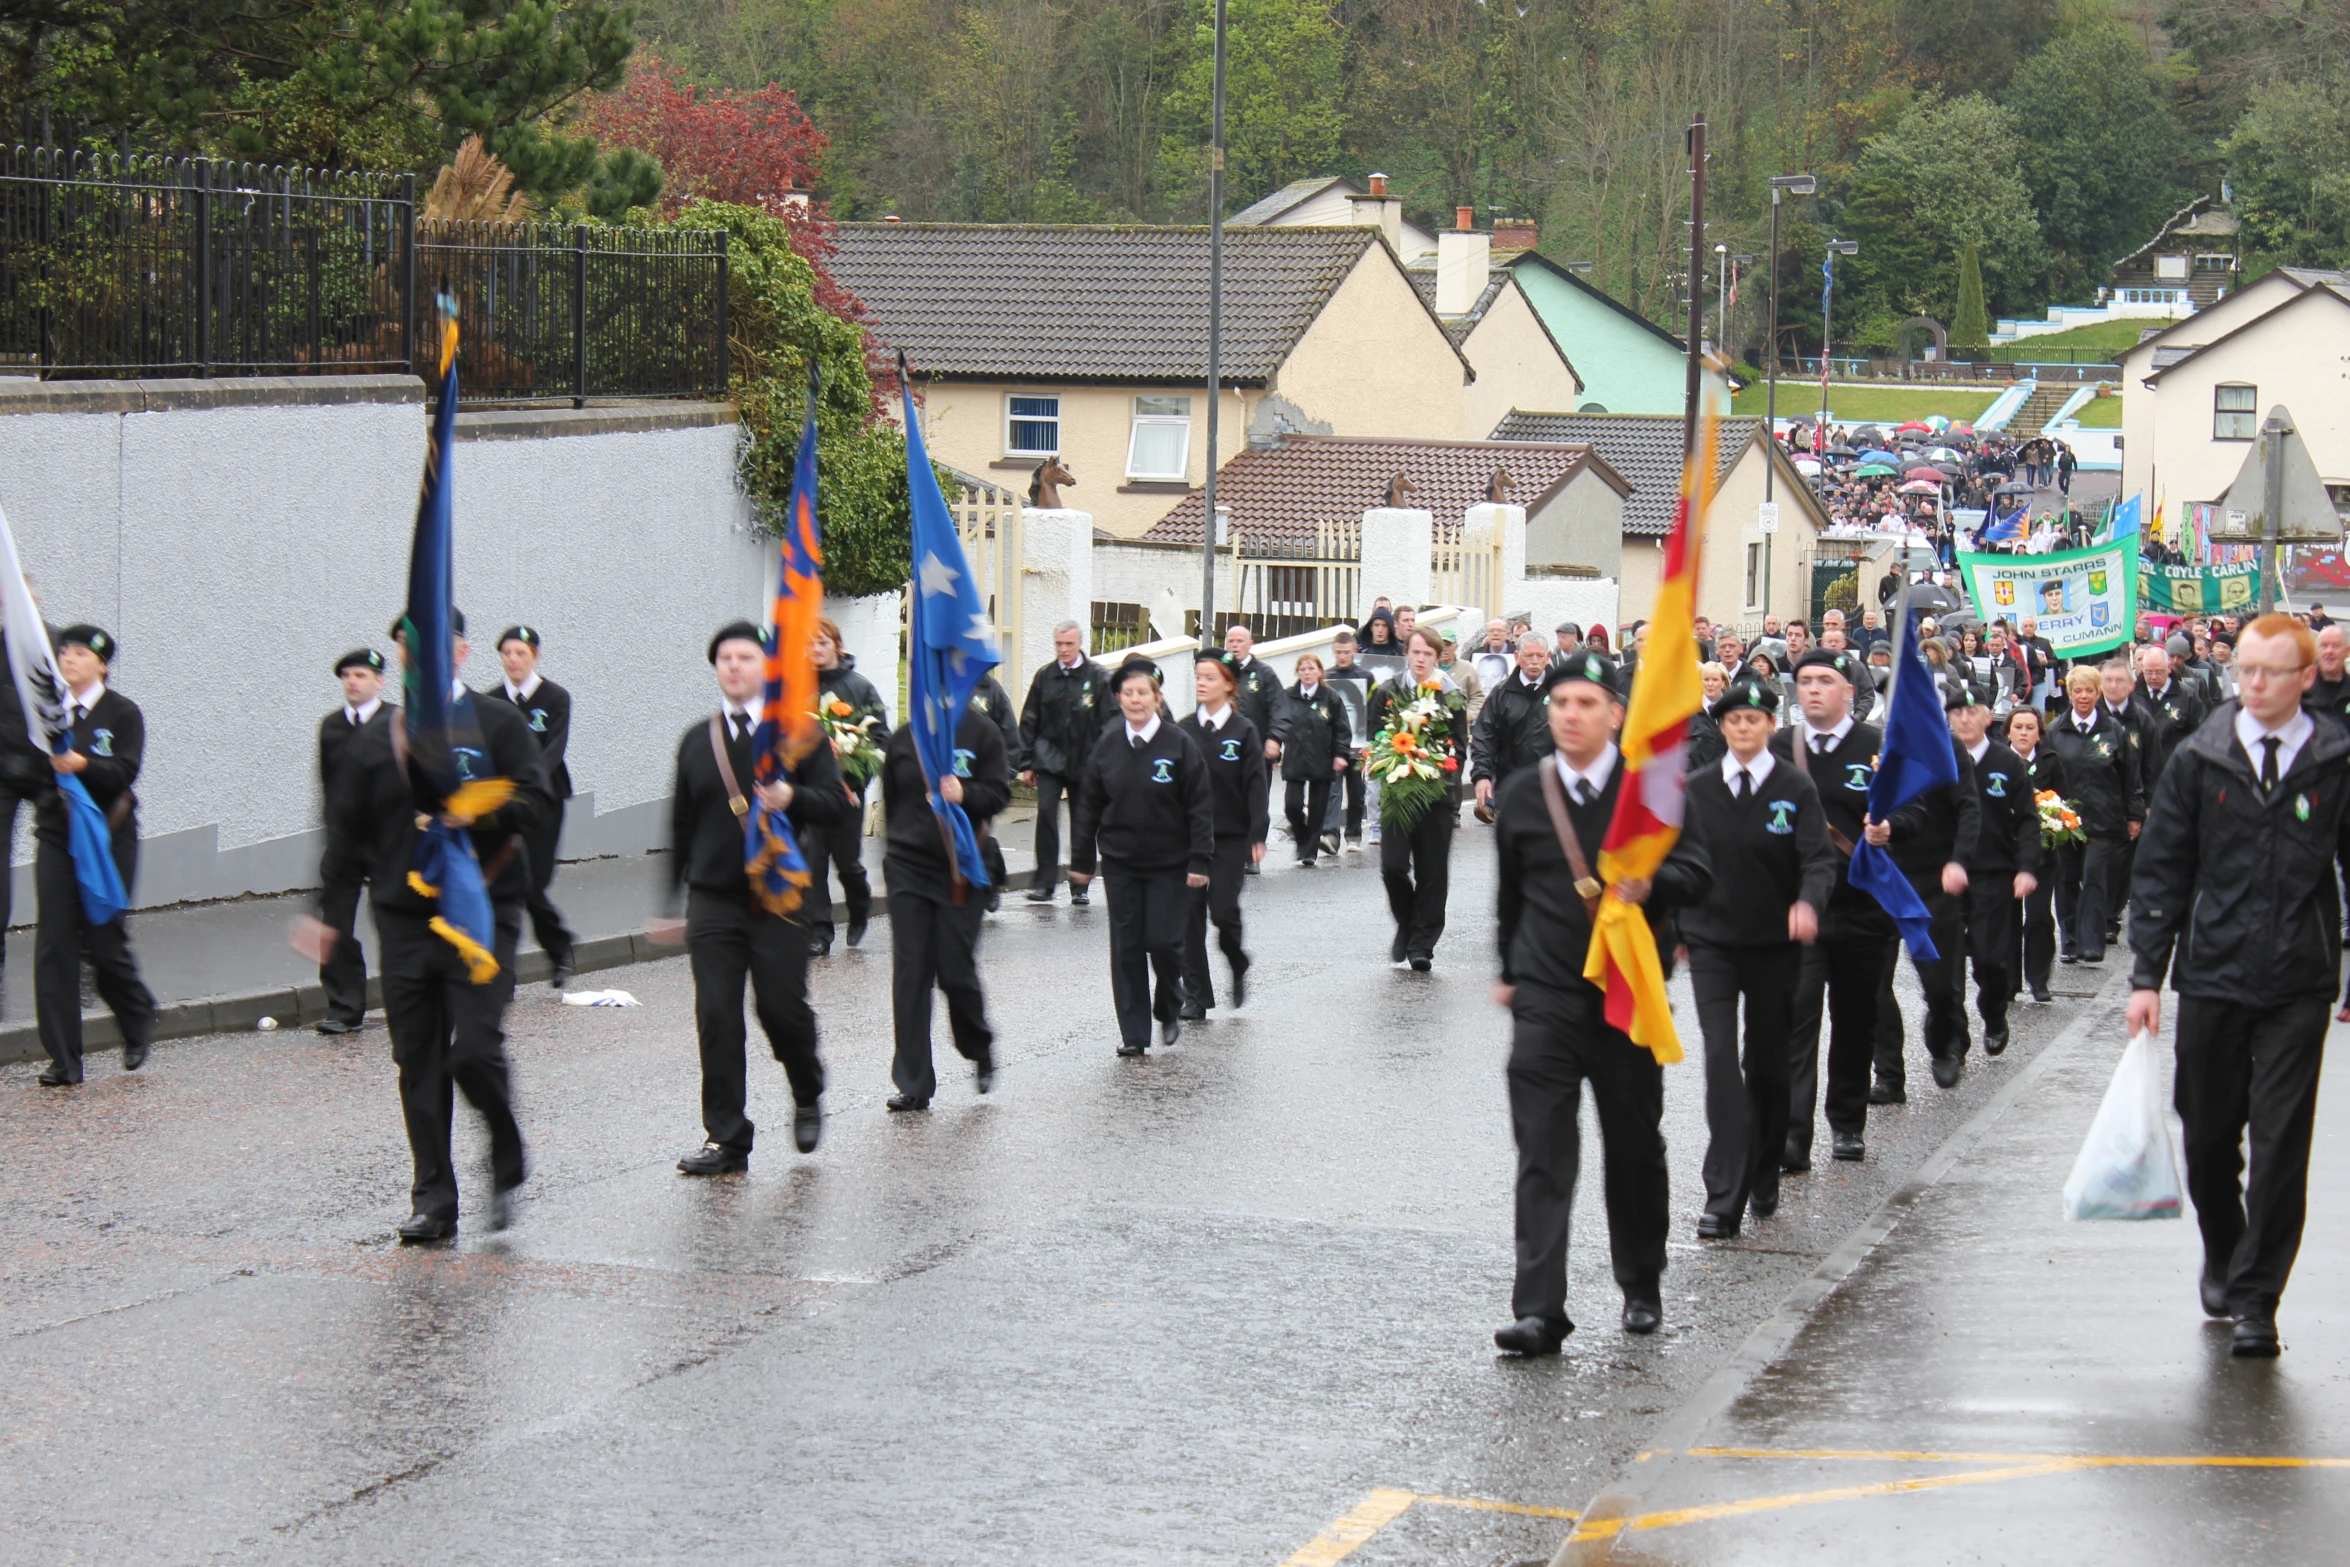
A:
(1464, 260)
(1380, 210)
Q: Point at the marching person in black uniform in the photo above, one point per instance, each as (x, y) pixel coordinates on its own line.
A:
(1933, 837)
(990, 697)
(1258, 696)
(1145, 798)
(1315, 740)
(2003, 870)
(2170, 711)
(1069, 705)
(1773, 870)
(1513, 730)
(1844, 972)
(2234, 902)
(2035, 949)
(106, 741)
(933, 915)
(1549, 824)
(2099, 753)
(546, 707)
(2118, 694)
(344, 973)
(1233, 750)
(729, 934)
(1415, 858)
(448, 1033)
(840, 843)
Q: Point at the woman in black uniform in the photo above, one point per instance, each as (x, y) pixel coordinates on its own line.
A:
(1234, 753)
(1314, 736)
(2036, 931)
(1415, 854)
(841, 845)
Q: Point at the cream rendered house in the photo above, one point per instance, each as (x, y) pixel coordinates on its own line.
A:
(1088, 345)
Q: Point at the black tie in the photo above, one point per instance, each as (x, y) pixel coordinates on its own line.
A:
(354, 718)
(2268, 763)
(739, 725)
(1745, 784)
(1582, 792)
(1819, 745)
(80, 712)
(1134, 740)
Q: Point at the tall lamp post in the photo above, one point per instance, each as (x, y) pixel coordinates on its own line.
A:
(1836, 247)
(1781, 185)
(1208, 515)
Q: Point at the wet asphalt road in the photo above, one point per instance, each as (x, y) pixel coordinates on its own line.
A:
(1194, 1308)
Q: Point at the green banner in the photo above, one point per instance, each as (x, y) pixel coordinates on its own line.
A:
(2085, 601)
(2200, 590)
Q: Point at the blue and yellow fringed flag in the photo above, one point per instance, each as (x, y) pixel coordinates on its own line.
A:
(787, 720)
(444, 771)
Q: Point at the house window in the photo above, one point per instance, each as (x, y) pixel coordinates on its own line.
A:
(1161, 447)
(1754, 576)
(1032, 426)
(2235, 413)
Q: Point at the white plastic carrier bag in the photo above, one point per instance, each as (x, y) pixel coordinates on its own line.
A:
(2126, 1169)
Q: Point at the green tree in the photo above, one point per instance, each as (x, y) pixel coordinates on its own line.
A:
(1282, 93)
(1970, 326)
(2289, 161)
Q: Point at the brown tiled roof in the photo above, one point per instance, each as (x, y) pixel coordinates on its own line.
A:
(1644, 448)
(1067, 302)
(1282, 493)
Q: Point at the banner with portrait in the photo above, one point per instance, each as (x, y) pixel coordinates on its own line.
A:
(2200, 590)
(2084, 601)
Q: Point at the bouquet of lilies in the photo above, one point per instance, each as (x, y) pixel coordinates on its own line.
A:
(1412, 758)
(2060, 823)
(852, 740)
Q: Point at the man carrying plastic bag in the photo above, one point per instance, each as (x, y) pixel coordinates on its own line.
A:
(2233, 897)
(2125, 1170)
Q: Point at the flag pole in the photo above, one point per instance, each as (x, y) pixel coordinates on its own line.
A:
(1696, 284)
(946, 834)
(1207, 548)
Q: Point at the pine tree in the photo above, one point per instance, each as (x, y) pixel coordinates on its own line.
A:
(1970, 328)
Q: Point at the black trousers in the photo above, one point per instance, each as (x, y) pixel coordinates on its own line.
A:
(1943, 978)
(1990, 944)
(546, 922)
(1417, 868)
(2036, 933)
(1148, 910)
(2253, 1067)
(1309, 813)
(1346, 802)
(1219, 900)
(449, 1036)
(10, 799)
(729, 939)
(1843, 973)
(1558, 1042)
(344, 973)
(64, 938)
(2085, 891)
(1745, 1101)
(934, 945)
(839, 848)
(1050, 789)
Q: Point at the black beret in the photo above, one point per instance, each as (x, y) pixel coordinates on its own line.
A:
(737, 631)
(360, 658)
(525, 635)
(1137, 666)
(1961, 696)
(456, 623)
(90, 637)
(1593, 667)
(1747, 692)
(1823, 658)
(1221, 659)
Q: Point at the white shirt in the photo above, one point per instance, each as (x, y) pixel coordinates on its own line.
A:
(2294, 733)
(519, 694)
(85, 700)
(1307, 693)
(1758, 769)
(1826, 739)
(1214, 720)
(1593, 778)
(1980, 749)
(1143, 735)
(363, 712)
(2084, 725)
(1071, 664)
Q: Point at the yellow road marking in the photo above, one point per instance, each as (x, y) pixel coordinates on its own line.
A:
(1379, 1509)
(1479, 1504)
(1603, 1528)
(2062, 1460)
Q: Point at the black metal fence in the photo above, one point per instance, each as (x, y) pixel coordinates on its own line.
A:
(194, 267)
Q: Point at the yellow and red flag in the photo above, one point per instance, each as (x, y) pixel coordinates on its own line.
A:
(1666, 693)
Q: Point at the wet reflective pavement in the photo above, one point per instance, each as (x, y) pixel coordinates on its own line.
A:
(1207, 1307)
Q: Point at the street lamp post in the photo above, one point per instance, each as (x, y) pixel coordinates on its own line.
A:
(1207, 549)
(1836, 247)
(1781, 185)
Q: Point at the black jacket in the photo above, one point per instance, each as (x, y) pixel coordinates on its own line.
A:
(1393, 696)
(1312, 734)
(1706, 745)
(2240, 885)
(2330, 698)
(1545, 930)
(2166, 723)
(990, 697)
(1842, 776)
(1768, 853)
(1063, 716)
(1938, 827)
(2007, 839)
(914, 854)
(1258, 696)
(1148, 807)
(114, 739)
(335, 736)
(1512, 731)
(371, 815)
(1238, 784)
(2101, 770)
(24, 766)
(548, 712)
(705, 835)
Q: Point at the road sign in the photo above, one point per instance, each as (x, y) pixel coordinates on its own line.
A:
(1766, 517)
(2307, 515)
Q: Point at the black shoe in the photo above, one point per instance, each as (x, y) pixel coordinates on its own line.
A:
(1305, 862)
(1192, 1012)
(1397, 947)
(807, 1127)
(1422, 965)
(2214, 1293)
(710, 1159)
(1532, 1336)
(1170, 1029)
(52, 1078)
(1042, 892)
(1947, 1068)
(1994, 1041)
(1240, 984)
(1850, 1148)
(501, 1214)
(562, 977)
(820, 942)
(1794, 1159)
(134, 1057)
(1642, 1314)
(1715, 1227)
(1133, 1050)
(984, 1072)
(907, 1102)
(2066, 957)
(423, 1229)
(1079, 897)
(1252, 868)
(2041, 995)
(2086, 958)
(335, 1025)
(1884, 1093)
(856, 937)
(995, 899)
(2256, 1338)
(1763, 1204)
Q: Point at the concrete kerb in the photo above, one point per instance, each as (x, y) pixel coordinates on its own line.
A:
(1681, 1429)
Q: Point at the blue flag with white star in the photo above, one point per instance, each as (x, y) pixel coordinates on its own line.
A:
(953, 643)
(1917, 755)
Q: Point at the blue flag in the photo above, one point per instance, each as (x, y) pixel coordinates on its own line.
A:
(953, 644)
(1917, 755)
(2005, 530)
(2126, 518)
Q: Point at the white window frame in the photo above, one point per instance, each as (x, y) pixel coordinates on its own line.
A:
(1754, 577)
(2249, 413)
(1158, 421)
(1022, 451)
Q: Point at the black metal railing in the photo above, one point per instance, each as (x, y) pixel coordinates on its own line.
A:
(195, 267)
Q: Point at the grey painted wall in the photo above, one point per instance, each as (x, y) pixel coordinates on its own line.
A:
(237, 536)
